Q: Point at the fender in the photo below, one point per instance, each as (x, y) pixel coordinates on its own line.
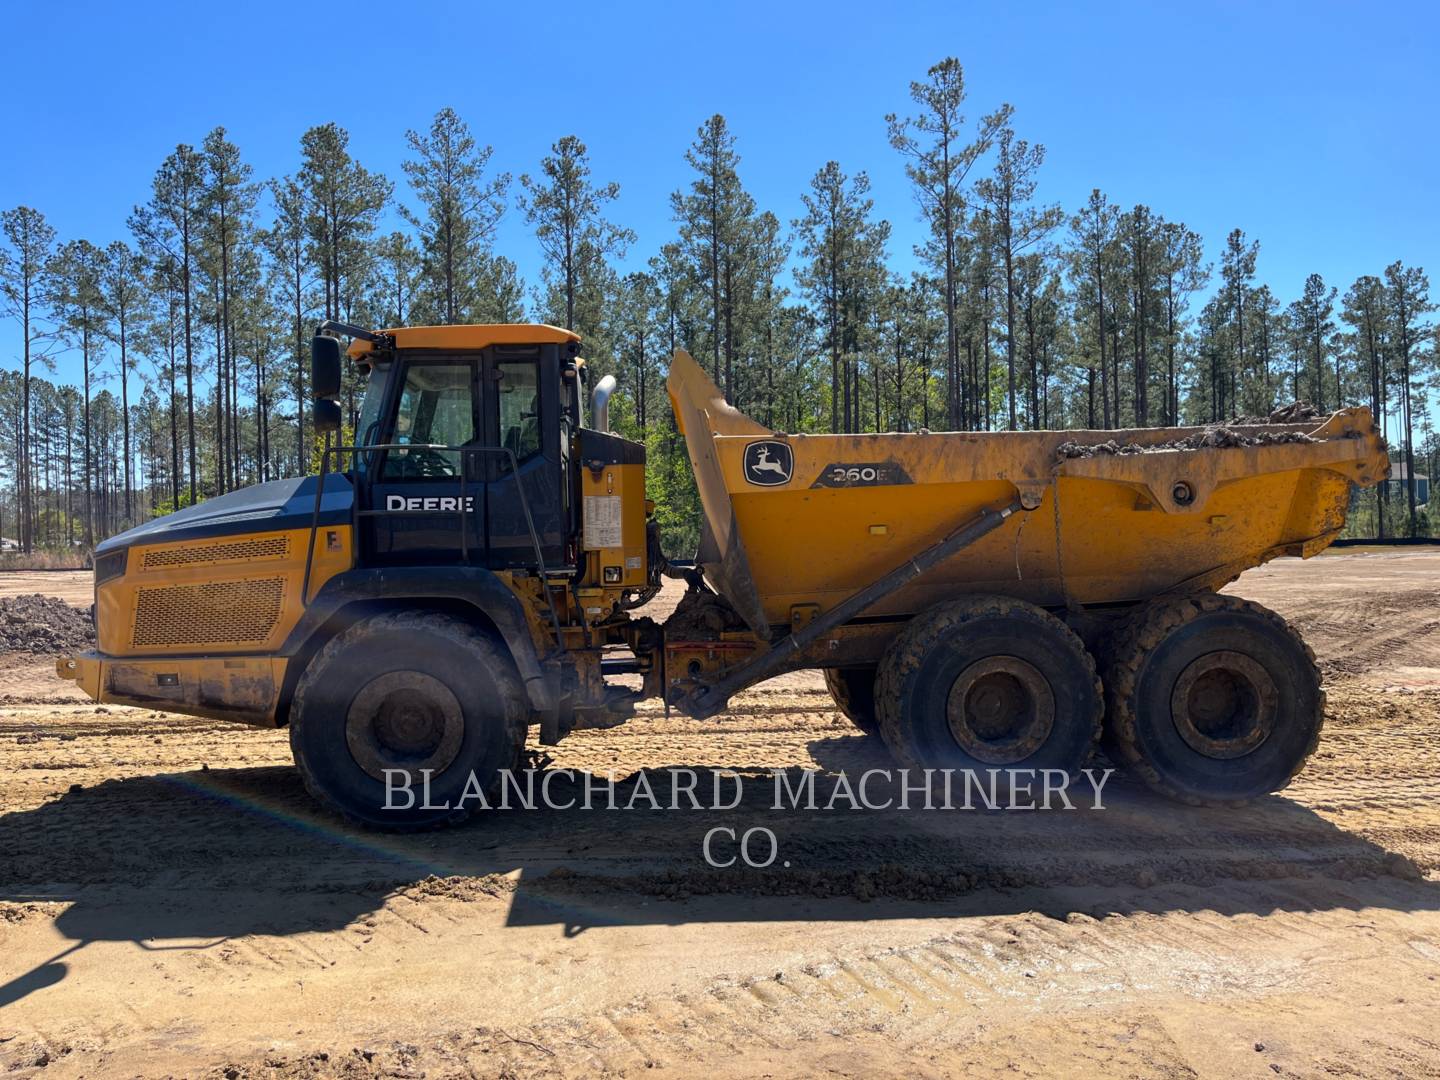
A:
(473, 585)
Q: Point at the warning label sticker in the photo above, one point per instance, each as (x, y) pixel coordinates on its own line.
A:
(601, 522)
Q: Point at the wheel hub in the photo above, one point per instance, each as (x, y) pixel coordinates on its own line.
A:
(1000, 709)
(1224, 704)
(404, 720)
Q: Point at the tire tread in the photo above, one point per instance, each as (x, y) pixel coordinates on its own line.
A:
(907, 653)
(408, 623)
(1132, 645)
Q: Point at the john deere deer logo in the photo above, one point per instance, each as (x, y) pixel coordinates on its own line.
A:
(768, 463)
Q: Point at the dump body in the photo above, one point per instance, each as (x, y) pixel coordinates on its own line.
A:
(797, 523)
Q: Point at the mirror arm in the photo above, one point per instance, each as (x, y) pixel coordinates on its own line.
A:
(381, 341)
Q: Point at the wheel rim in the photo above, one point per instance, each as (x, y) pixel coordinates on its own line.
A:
(1000, 710)
(404, 720)
(1224, 704)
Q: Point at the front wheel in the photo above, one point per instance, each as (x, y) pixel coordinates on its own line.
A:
(1213, 699)
(988, 682)
(404, 720)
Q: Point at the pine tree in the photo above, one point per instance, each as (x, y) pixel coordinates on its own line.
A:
(458, 213)
(1265, 326)
(169, 226)
(343, 203)
(75, 274)
(1140, 247)
(767, 254)
(1407, 295)
(1237, 270)
(1094, 230)
(500, 293)
(160, 342)
(227, 205)
(397, 277)
(567, 211)
(843, 276)
(714, 216)
(1183, 273)
(1314, 311)
(1018, 226)
(938, 165)
(24, 285)
(125, 298)
(636, 330)
(285, 245)
(1363, 309)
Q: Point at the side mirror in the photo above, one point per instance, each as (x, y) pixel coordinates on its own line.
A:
(324, 366)
(325, 416)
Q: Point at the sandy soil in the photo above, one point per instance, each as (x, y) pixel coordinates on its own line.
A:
(173, 904)
(73, 586)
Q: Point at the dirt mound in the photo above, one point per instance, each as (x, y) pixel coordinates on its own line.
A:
(1297, 412)
(43, 624)
(1214, 437)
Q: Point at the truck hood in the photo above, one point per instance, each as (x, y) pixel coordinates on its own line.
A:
(278, 504)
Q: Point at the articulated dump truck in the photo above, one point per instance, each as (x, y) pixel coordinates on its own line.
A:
(475, 565)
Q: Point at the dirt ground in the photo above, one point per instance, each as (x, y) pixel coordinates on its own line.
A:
(172, 904)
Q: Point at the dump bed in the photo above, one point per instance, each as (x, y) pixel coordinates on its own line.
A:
(1112, 516)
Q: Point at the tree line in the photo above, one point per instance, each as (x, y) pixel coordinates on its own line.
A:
(192, 334)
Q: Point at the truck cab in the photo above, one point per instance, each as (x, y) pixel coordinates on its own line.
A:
(466, 447)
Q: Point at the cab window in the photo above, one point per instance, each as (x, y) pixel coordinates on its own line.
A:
(436, 406)
(367, 426)
(519, 395)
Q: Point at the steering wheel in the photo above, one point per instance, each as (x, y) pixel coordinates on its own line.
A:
(422, 462)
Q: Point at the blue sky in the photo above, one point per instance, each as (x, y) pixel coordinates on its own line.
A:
(1311, 126)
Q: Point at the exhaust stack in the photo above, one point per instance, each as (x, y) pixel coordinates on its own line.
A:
(600, 403)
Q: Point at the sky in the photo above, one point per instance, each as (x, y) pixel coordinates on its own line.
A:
(1309, 125)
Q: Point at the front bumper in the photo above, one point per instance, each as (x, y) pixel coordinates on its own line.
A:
(83, 670)
(244, 689)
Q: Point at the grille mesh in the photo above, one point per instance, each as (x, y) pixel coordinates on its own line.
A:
(270, 547)
(219, 612)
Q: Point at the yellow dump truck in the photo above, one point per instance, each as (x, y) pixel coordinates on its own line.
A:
(474, 564)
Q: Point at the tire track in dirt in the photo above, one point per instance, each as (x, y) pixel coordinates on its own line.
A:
(945, 994)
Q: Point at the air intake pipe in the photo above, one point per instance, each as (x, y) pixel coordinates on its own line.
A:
(600, 403)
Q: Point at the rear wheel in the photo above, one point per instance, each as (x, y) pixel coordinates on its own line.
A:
(400, 696)
(989, 682)
(1213, 699)
(854, 692)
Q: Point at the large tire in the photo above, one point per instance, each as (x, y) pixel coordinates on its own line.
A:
(1213, 699)
(854, 692)
(989, 682)
(408, 691)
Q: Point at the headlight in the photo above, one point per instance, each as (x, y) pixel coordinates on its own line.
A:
(110, 565)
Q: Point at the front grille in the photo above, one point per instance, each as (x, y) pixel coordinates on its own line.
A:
(216, 613)
(269, 547)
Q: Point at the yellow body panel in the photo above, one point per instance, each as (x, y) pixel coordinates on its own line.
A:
(599, 490)
(242, 689)
(230, 594)
(856, 506)
(469, 337)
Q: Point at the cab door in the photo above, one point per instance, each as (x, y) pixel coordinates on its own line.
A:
(423, 503)
(522, 417)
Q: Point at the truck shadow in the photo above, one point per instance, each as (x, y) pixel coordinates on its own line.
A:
(192, 860)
